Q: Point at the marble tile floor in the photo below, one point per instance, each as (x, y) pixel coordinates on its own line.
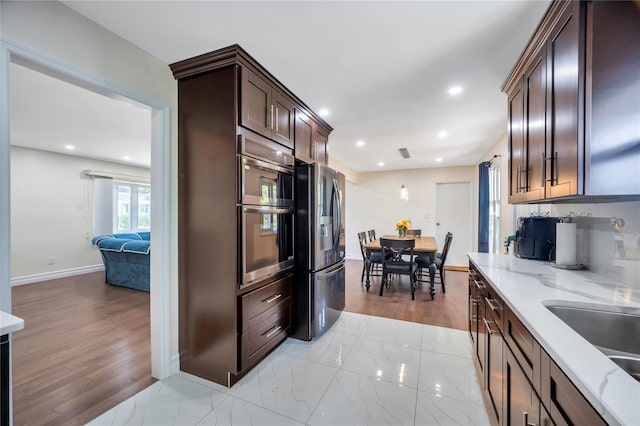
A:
(364, 370)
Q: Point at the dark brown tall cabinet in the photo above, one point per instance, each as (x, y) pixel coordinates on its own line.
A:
(571, 133)
(227, 102)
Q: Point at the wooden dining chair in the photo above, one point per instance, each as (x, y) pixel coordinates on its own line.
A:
(414, 232)
(434, 263)
(372, 234)
(369, 260)
(442, 257)
(395, 254)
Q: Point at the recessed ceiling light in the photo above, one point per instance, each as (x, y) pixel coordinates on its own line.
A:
(442, 134)
(380, 164)
(70, 147)
(323, 112)
(126, 158)
(455, 90)
(360, 143)
(439, 160)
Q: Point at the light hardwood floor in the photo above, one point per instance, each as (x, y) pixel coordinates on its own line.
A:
(84, 349)
(446, 310)
(86, 344)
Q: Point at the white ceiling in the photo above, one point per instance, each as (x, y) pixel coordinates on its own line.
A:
(51, 114)
(383, 69)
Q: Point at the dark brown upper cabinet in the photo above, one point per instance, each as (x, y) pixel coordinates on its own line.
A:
(613, 98)
(563, 165)
(311, 139)
(304, 137)
(517, 159)
(573, 106)
(527, 132)
(321, 144)
(535, 95)
(265, 110)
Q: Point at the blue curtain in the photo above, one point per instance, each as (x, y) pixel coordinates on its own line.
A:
(483, 207)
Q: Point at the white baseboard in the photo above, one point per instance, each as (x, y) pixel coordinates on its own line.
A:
(28, 279)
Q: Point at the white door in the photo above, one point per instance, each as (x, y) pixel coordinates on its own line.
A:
(454, 214)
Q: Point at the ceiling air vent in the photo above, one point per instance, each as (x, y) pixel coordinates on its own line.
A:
(404, 152)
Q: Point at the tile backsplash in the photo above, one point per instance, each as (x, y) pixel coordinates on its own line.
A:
(608, 236)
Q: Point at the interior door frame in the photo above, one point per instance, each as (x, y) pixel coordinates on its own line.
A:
(161, 263)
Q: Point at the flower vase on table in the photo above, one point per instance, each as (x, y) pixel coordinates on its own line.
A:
(402, 226)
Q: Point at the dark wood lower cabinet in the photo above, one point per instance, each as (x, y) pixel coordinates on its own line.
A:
(494, 364)
(4, 379)
(522, 385)
(266, 320)
(521, 404)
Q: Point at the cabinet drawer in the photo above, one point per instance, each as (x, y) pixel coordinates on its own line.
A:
(495, 307)
(566, 404)
(265, 336)
(259, 301)
(524, 347)
(278, 322)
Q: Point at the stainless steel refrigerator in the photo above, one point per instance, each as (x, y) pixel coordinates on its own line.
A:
(319, 249)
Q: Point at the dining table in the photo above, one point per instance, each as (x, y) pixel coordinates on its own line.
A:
(424, 244)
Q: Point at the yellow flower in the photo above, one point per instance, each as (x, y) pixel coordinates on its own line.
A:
(402, 224)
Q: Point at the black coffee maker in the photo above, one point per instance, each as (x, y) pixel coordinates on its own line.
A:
(536, 238)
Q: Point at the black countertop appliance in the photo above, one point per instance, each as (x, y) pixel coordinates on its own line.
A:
(536, 238)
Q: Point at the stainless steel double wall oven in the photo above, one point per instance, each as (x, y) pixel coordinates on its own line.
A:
(265, 207)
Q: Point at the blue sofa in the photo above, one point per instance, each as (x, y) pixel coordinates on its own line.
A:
(126, 258)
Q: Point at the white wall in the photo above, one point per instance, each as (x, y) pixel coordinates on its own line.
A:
(374, 201)
(53, 30)
(51, 210)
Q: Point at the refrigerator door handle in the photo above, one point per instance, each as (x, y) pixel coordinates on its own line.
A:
(329, 272)
(338, 218)
(265, 210)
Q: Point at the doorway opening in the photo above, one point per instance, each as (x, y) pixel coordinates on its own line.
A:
(159, 296)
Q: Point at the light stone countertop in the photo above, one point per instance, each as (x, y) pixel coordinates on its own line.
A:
(10, 323)
(528, 285)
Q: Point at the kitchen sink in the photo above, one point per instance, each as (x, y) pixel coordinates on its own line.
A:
(613, 330)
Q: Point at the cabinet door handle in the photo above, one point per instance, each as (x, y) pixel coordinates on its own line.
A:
(491, 305)
(524, 186)
(551, 179)
(487, 326)
(271, 112)
(272, 298)
(517, 179)
(480, 285)
(526, 422)
(543, 170)
(272, 331)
